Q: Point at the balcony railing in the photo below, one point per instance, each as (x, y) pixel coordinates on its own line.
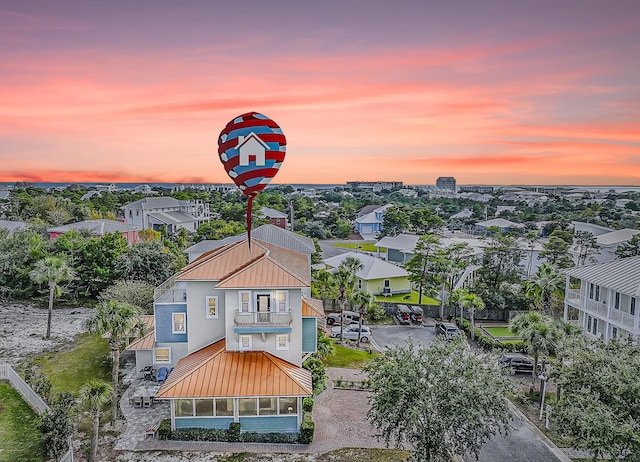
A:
(170, 291)
(262, 318)
(600, 308)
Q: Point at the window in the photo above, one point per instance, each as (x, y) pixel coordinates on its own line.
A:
(204, 407)
(245, 342)
(162, 355)
(288, 405)
(212, 307)
(616, 303)
(632, 311)
(589, 323)
(591, 291)
(179, 325)
(224, 407)
(184, 408)
(268, 406)
(245, 302)
(282, 342)
(614, 332)
(595, 326)
(247, 406)
(281, 302)
(387, 283)
(359, 284)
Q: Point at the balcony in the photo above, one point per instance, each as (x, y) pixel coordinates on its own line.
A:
(262, 319)
(170, 291)
(600, 308)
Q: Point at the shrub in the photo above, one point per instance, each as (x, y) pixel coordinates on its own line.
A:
(164, 430)
(463, 324)
(318, 374)
(307, 429)
(307, 404)
(234, 431)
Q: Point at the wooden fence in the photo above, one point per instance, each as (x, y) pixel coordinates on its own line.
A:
(32, 398)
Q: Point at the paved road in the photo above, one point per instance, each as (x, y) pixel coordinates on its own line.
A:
(384, 336)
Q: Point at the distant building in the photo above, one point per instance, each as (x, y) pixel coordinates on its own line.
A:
(446, 182)
(369, 223)
(475, 188)
(276, 217)
(98, 228)
(375, 186)
(156, 212)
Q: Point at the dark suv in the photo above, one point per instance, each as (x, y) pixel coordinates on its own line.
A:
(517, 362)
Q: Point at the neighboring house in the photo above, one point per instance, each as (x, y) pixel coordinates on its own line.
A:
(594, 229)
(106, 187)
(466, 213)
(608, 243)
(157, 212)
(4, 194)
(235, 326)
(604, 299)
(505, 226)
(267, 233)
(144, 189)
(400, 248)
(505, 209)
(377, 277)
(370, 224)
(276, 217)
(91, 194)
(98, 228)
(12, 226)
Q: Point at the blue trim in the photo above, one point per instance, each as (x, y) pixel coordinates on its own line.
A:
(270, 424)
(164, 322)
(203, 422)
(262, 330)
(309, 335)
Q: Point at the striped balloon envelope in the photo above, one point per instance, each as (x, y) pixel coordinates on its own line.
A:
(252, 148)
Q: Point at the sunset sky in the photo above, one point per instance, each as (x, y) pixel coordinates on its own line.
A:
(494, 92)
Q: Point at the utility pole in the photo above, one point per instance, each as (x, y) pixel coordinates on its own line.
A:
(291, 213)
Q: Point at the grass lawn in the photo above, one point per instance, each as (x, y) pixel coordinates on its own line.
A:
(365, 247)
(511, 342)
(71, 369)
(412, 300)
(19, 435)
(349, 357)
(499, 331)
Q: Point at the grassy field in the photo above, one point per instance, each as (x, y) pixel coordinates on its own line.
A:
(349, 357)
(19, 435)
(69, 370)
(499, 331)
(412, 300)
(362, 246)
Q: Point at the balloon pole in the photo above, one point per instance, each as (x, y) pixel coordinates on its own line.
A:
(249, 217)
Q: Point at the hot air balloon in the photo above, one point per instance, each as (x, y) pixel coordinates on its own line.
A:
(251, 148)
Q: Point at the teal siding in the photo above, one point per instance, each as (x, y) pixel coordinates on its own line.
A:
(204, 422)
(270, 424)
(164, 322)
(309, 335)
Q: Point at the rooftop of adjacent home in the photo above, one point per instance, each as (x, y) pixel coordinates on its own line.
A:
(621, 275)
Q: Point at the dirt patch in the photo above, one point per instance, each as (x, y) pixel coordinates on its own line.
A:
(23, 327)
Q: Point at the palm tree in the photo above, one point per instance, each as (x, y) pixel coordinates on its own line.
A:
(363, 300)
(94, 395)
(325, 346)
(456, 296)
(539, 333)
(324, 284)
(547, 284)
(120, 321)
(52, 270)
(346, 279)
(472, 302)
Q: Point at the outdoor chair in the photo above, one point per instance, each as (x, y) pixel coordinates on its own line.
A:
(162, 374)
(137, 401)
(146, 401)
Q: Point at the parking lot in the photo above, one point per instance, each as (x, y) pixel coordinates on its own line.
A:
(387, 336)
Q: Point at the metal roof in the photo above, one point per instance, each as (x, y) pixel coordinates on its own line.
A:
(96, 227)
(172, 218)
(272, 213)
(405, 242)
(13, 225)
(264, 265)
(372, 267)
(312, 308)
(150, 203)
(500, 223)
(616, 237)
(621, 275)
(215, 372)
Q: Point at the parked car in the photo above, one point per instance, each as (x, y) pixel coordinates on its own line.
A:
(517, 362)
(416, 314)
(351, 332)
(403, 313)
(349, 317)
(448, 329)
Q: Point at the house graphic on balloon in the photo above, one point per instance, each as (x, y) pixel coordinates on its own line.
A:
(251, 147)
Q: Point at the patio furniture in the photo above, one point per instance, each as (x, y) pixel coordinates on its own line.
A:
(162, 374)
(146, 401)
(137, 401)
(148, 372)
(151, 431)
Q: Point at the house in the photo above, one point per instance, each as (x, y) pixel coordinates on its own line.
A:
(276, 217)
(604, 298)
(90, 194)
(144, 189)
(466, 213)
(98, 228)
(235, 325)
(267, 233)
(400, 248)
(369, 224)
(608, 243)
(251, 147)
(377, 277)
(505, 226)
(157, 212)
